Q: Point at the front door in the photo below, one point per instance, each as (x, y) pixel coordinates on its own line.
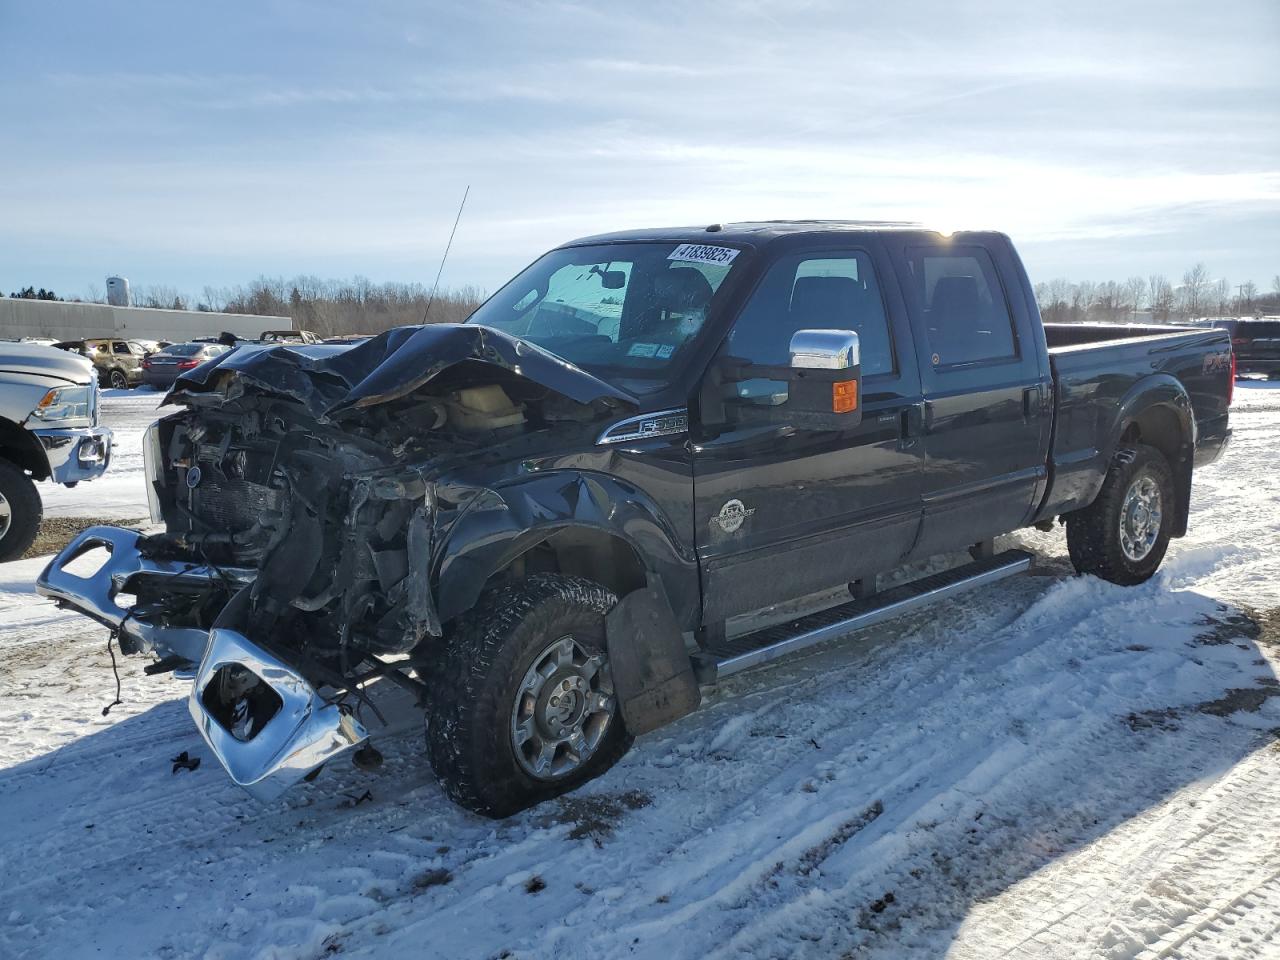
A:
(781, 511)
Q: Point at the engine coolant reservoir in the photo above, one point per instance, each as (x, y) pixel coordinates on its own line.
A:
(482, 408)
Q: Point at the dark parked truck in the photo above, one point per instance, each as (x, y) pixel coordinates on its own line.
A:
(539, 521)
(1255, 344)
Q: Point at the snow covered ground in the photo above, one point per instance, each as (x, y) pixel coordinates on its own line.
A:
(1053, 767)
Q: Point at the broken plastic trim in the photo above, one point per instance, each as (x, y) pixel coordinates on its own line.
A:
(304, 733)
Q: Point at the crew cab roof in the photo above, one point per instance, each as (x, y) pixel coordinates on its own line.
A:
(761, 232)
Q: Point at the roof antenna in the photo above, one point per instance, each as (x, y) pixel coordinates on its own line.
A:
(436, 285)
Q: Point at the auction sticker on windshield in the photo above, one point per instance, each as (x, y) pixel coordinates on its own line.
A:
(701, 253)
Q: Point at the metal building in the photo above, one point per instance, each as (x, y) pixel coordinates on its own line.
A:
(118, 291)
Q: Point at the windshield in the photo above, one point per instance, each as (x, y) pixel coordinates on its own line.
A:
(623, 311)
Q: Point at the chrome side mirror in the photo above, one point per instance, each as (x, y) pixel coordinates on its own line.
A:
(818, 390)
(825, 350)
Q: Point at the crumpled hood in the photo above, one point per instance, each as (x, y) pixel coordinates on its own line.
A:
(40, 361)
(332, 380)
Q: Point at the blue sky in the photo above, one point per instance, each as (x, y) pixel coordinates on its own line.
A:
(190, 144)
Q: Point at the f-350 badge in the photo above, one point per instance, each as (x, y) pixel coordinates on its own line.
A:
(731, 516)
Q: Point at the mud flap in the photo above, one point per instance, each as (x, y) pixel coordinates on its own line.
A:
(652, 673)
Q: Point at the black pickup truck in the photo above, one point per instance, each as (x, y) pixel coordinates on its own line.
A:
(539, 521)
(1255, 344)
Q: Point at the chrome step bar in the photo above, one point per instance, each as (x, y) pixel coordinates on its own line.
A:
(771, 643)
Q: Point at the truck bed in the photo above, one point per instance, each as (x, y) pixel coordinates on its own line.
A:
(1096, 367)
(1063, 335)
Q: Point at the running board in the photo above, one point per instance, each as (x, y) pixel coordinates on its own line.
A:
(771, 643)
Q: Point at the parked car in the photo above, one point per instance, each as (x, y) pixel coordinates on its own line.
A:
(289, 336)
(118, 362)
(48, 431)
(523, 518)
(151, 346)
(160, 369)
(1255, 345)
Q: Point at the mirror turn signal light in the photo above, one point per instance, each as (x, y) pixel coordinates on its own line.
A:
(844, 396)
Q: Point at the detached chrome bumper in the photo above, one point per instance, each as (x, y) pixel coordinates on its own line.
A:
(76, 454)
(303, 733)
(95, 595)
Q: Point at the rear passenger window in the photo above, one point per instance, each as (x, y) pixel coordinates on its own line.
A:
(120, 347)
(826, 291)
(957, 293)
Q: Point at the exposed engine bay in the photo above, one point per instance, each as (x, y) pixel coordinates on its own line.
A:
(334, 504)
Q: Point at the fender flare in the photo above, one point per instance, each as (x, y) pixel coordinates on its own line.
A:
(502, 523)
(1163, 392)
(22, 448)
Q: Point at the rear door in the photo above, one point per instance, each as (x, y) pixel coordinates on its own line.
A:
(987, 392)
(124, 357)
(782, 510)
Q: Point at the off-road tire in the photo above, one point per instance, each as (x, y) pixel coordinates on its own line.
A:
(1093, 534)
(475, 681)
(25, 511)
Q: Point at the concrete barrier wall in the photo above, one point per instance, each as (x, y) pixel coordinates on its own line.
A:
(74, 321)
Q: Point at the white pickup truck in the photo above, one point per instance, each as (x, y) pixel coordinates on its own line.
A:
(48, 431)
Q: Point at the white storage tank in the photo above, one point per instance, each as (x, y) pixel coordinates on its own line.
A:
(118, 291)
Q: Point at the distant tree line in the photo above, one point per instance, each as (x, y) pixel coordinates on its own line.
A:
(327, 307)
(1112, 301)
(331, 307)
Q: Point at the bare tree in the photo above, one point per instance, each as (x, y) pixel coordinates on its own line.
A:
(1160, 296)
(1195, 291)
(1222, 297)
(1052, 298)
(159, 296)
(1135, 289)
(1248, 295)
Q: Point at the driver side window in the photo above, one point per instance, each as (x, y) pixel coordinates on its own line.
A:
(805, 291)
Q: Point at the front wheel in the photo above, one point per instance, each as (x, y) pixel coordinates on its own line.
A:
(523, 707)
(1123, 535)
(118, 379)
(20, 512)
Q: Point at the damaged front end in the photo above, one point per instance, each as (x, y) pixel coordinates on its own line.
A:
(306, 483)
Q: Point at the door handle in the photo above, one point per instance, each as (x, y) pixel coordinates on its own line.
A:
(1030, 402)
(911, 425)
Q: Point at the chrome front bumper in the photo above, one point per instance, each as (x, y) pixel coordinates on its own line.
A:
(95, 595)
(76, 454)
(304, 733)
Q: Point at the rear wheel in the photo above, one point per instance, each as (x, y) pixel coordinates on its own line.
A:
(20, 512)
(118, 379)
(523, 707)
(1123, 535)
